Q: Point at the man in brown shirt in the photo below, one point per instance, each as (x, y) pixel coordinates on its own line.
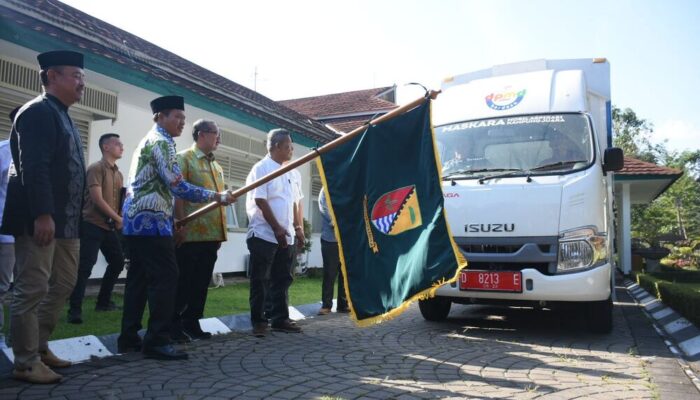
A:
(101, 222)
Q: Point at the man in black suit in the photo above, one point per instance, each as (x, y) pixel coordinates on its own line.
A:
(44, 203)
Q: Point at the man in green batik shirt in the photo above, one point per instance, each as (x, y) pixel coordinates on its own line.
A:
(199, 241)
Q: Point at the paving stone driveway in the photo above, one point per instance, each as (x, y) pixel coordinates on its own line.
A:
(481, 352)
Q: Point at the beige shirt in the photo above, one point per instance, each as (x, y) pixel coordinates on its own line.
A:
(111, 181)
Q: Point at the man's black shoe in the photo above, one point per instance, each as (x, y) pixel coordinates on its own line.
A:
(166, 352)
(128, 347)
(286, 326)
(343, 310)
(74, 317)
(129, 344)
(179, 336)
(197, 333)
(108, 307)
(259, 329)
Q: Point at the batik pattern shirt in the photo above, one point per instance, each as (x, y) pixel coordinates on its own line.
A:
(154, 178)
(203, 170)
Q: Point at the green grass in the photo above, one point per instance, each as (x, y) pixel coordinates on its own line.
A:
(231, 299)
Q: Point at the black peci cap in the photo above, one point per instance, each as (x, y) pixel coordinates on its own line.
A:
(60, 57)
(168, 103)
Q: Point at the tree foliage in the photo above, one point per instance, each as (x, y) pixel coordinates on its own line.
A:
(661, 216)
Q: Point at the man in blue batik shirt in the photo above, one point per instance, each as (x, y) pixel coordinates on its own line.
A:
(155, 178)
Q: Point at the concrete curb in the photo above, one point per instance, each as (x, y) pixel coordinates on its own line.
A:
(680, 335)
(683, 332)
(84, 348)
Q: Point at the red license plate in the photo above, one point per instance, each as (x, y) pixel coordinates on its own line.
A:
(491, 281)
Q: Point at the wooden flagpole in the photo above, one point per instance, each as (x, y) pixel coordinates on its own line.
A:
(310, 156)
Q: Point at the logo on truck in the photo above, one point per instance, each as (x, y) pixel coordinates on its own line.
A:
(505, 100)
(486, 228)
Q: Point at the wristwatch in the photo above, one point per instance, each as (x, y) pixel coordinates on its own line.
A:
(222, 197)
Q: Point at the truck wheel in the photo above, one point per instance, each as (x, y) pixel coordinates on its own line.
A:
(435, 309)
(599, 316)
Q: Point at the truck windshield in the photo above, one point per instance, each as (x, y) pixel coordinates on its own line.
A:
(534, 144)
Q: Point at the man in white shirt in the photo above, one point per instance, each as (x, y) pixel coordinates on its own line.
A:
(270, 209)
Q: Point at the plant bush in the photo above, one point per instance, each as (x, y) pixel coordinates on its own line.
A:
(683, 300)
(678, 276)
(648, 283)
(684, 254)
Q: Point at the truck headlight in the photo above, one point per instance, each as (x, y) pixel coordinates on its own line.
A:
(581, 248)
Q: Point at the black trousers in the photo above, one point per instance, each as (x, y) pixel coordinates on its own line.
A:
(94, 239)
(152, 277)
(195, 262)
(270, 271)
(331, 270)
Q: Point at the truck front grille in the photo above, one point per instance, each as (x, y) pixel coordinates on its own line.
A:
(510, 253)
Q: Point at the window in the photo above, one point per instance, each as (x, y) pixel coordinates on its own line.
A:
(237, 154)
(231, 220)
(236, 217)
(316, 183)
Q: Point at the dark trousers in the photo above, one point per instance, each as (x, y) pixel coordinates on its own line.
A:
(268, 302)
(331, 270)
(94, 239)
(195, 262)
(152, 277)
(270, 271)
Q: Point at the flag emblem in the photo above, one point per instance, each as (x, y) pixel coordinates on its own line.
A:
(397, 211)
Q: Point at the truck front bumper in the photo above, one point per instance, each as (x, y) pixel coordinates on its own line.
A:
(588, 285)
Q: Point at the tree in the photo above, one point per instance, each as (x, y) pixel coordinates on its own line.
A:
(633, 136)
(661, 216)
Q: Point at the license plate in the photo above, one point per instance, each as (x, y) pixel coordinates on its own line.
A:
(491, 281)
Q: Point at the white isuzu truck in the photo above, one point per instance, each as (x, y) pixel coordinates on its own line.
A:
(526, 160)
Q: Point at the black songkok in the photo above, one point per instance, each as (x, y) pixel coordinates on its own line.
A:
(60, 57)
(168, 103)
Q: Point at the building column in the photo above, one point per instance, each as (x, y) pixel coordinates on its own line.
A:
(625, 250)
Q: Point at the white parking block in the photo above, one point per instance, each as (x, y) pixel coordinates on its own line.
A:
(73, 349)
(295, 315)
(214, 326)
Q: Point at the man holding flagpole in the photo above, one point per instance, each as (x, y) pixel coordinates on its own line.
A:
(270, 209)
(155, 178)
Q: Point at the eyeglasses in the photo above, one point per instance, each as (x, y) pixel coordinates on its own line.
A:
(218, 135)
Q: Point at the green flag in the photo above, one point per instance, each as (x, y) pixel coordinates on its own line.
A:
(384, 193)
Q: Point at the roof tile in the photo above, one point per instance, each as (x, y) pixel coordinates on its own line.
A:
(98, 37)
(639, 167)
(358, 101)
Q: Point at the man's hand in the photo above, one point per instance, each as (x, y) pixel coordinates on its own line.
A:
(118, 224)
(225, 198)
(281, 236)
(301, 239)
(179, 235)
(230, 198)
(44, 230)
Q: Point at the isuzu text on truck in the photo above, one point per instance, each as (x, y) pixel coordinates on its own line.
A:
(526, 160)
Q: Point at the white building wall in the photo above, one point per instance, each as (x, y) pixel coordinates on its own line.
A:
(134, 119)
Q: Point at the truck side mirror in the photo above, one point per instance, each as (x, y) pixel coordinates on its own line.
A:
(613, 159)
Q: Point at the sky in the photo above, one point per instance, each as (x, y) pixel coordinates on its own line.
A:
(292, 49)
